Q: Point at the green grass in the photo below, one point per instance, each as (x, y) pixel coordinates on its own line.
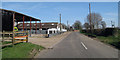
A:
(110, 40)
(88, 34)
(21, 50)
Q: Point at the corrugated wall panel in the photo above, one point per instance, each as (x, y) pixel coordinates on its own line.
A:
(7, 21)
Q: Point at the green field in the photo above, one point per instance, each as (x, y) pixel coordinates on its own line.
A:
(21, 50)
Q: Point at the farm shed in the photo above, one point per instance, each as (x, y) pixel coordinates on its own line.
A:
(10, 17)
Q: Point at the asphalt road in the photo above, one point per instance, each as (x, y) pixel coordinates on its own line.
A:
(77, 45)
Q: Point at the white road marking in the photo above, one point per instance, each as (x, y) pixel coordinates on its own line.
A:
(84, 45)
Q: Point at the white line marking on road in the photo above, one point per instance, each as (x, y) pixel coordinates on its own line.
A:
(84, 45)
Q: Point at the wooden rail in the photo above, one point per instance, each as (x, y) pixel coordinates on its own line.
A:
(16, 37)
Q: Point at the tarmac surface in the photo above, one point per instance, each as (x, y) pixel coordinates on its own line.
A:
(77, 45)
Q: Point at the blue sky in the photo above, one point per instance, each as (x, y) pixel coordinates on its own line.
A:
(60, 0)
(71, 11)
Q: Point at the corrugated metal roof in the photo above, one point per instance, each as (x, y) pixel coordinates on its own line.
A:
(20, 14)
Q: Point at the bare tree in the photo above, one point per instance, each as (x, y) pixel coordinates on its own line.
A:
(103, 24)
(77, 25)
(95, 19)
(86, 25)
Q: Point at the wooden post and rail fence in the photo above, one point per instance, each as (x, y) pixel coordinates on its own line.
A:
(16, 37)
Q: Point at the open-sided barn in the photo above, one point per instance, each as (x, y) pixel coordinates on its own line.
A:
(10, 17)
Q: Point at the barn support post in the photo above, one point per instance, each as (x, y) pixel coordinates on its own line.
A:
(26, 26)
(36, 27)
(17, 24)
(40, 26)
(23, 23)
(30, 26)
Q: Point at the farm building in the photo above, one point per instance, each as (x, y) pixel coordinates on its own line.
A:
(9, 28)
(41, 26)
(12, 18)
(45, 28)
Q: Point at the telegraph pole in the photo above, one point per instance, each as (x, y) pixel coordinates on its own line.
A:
(113, 24)
(90, 17)
(67, 25)
(67, 22)
(60, 22)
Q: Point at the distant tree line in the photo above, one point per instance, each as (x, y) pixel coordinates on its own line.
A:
(77, 25)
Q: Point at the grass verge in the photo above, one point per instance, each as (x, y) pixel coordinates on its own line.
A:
(112, 40)
(21, 50)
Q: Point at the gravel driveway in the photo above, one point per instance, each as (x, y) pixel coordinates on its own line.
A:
(48, 42)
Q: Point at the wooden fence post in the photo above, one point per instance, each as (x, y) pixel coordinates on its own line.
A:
(3, 36)
(27, 36)
(13, 38)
